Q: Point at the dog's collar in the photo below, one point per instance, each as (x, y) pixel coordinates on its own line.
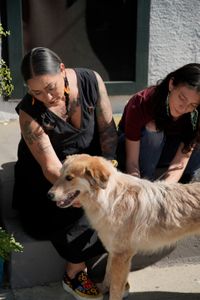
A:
(114, 162)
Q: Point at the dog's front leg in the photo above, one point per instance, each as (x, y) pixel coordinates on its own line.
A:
(118, 273)
(106, 282)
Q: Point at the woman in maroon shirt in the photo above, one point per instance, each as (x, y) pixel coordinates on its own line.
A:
(160, 127)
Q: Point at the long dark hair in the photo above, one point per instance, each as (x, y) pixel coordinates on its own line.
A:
(188, 75)
(40, 61)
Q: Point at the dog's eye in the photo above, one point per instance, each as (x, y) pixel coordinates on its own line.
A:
(68, 177)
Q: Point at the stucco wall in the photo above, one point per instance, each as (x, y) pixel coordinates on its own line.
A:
(174, 36)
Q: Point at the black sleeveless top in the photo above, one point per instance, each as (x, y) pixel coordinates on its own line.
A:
(65, 138)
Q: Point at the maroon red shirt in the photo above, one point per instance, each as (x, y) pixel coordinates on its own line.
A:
(137, 113)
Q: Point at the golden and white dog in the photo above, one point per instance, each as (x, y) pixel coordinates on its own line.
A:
(130, 215)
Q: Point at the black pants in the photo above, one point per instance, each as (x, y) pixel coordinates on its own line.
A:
(68, 229)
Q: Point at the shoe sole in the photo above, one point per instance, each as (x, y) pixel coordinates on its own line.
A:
(77, 296)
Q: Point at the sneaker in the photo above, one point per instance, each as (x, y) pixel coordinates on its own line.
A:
(81, 287)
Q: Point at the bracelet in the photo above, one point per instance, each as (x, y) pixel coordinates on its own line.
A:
(135, 172)
(135, 169)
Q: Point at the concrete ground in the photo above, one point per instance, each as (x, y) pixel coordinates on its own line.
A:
(174, 277)
(177, 282)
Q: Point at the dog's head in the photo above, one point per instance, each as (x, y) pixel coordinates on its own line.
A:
(81, 174)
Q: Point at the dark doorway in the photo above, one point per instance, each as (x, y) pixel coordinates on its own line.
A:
(111, 28)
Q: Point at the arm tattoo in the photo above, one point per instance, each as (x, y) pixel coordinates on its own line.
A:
(34, 136)
(29, 135)
(73, 106)
(99, 111)
(108, 140)
(42, 147)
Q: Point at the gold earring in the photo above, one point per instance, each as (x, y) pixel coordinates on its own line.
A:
(167, 105)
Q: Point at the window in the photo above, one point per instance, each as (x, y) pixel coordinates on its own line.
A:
(109, 36)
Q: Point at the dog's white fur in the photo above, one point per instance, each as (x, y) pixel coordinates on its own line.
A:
(130, 215)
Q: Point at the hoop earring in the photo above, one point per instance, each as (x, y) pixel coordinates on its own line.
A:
(167, 105)
(67, 90)
(33, 101)
(194, 118)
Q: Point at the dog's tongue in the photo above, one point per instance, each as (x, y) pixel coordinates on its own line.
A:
(62, 203)
(67, 202)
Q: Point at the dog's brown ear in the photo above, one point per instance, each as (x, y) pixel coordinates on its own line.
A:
(97, 175)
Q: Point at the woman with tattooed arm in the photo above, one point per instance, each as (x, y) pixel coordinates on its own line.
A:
(65, 111)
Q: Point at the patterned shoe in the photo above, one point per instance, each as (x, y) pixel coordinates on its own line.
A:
(81, 287)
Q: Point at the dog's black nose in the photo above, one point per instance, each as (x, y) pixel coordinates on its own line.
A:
(50, 195)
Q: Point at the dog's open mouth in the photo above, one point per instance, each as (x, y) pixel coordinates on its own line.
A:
(67, 201)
